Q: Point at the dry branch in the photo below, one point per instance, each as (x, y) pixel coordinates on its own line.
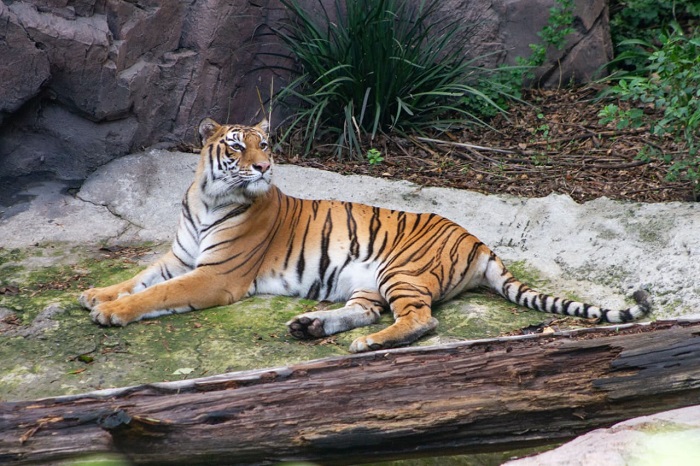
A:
(475, 396)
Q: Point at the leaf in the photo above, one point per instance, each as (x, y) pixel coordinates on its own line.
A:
(183, 371)
(87, 359)
(9, 290)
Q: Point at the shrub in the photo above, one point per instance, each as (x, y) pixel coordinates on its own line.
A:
(667, 81)
(645, 20)
(382, 66)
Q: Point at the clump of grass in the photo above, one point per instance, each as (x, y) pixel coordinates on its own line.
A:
(382, 66)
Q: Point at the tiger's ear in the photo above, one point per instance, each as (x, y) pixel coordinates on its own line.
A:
(264, 126)
(207, 128)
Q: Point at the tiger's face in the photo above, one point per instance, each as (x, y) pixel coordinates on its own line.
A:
(238, 162)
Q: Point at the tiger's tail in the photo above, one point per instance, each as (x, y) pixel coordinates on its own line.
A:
(504, 283)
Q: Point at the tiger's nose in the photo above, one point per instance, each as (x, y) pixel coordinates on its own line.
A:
(262, 167)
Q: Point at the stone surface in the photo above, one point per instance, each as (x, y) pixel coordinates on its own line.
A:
(25, 67)
(669, 438)
(97, 79)
(85, 81)
(47, 214)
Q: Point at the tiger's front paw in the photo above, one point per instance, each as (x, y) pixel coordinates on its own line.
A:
(364, 344)
(89, 299)
(112, 313)
(304, 327)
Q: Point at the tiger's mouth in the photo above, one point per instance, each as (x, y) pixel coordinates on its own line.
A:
(257, 186)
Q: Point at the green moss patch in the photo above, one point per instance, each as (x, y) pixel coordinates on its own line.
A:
(51, 347)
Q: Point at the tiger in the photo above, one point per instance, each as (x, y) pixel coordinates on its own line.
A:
(240, 235)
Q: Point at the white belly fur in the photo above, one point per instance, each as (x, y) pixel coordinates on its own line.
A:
(356, 275)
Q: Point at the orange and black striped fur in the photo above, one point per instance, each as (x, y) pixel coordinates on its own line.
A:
(240, 235)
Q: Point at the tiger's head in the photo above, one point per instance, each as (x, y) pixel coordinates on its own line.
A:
(236, 160)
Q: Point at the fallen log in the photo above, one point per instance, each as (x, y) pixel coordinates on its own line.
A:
(477, 396)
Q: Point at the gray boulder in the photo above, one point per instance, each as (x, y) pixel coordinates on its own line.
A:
(667, 438)
(24, 66)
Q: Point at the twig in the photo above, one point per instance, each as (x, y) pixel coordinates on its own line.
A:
(486, 173)
(590, 134)
(648, 190)
(477, 154)
(464, 145)
(402, 149)
(427, 149)
(636, 163)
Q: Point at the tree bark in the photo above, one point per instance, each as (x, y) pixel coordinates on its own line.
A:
(478, 396)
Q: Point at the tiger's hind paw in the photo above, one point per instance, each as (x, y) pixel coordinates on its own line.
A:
(304, 328)
(364, 344)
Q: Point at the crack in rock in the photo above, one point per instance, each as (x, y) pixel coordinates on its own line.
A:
(130, 223)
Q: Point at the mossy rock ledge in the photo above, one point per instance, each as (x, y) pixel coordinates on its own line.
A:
(57, 243)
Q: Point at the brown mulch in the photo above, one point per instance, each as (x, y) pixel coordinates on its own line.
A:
(552, 142)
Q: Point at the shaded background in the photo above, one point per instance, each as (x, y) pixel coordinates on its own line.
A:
(83, 82)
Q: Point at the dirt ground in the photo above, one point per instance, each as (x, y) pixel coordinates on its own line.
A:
(551, 142)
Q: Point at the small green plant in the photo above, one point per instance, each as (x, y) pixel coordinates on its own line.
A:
(544, 128)
(559, 25)
(623, 119)
(374, 157)
(381, 66)
(539, 159)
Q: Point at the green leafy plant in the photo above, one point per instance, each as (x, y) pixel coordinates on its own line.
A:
(544, 128)
(381, 66)
(645, 21)
(374, 157)
(553, 34)
(559, 26)
(668, 84)
(623, 119)
(510, 79)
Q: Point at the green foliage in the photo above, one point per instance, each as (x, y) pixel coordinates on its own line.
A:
(378, 66)
(374, 157)
(382, 66)
(645, 20)
(623, 119)
(668, 83)
(559, 25)
(544, 128)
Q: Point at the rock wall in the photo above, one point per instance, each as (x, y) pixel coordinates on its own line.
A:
(85, 81)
